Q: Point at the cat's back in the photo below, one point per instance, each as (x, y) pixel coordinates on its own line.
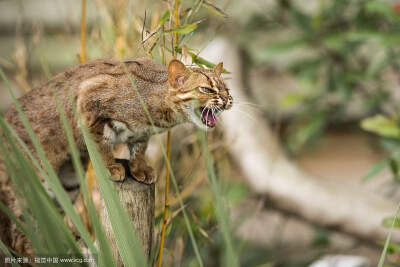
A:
(39, 104)
(147, 70)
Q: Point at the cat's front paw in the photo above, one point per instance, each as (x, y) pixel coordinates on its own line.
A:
(117, 171)
(150, 175)
(142, 172)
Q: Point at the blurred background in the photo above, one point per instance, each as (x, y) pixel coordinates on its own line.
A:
(308, 159)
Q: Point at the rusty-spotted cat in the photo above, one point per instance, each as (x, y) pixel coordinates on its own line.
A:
(112, 109)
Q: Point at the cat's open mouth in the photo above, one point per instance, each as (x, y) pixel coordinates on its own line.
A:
(208, 116)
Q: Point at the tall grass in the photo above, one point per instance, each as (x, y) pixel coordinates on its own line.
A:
(51, 226)
(387, 241)
(43, 224)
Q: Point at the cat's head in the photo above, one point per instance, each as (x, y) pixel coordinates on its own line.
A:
(200, 93)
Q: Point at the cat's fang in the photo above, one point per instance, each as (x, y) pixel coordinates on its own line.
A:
(208, 117)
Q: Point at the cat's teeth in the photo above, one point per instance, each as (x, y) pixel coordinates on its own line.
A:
(208, 117)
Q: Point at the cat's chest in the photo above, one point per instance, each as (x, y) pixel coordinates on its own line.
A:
(117, 132)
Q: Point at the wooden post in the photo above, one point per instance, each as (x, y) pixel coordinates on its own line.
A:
(138, 199)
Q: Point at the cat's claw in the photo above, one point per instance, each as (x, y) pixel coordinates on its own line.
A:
(142, 173)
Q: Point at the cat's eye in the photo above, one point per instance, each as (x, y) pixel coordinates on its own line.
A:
(206, 90)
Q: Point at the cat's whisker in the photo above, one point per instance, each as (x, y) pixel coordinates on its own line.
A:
(236, 100)
(219, 110)
(248, 105)
(246, 114)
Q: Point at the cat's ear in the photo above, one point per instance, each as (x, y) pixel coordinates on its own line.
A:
(219, 68)
(177, 73)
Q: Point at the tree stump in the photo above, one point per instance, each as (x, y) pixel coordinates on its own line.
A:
(138, 200)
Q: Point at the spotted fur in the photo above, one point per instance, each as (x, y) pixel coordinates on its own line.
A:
(119, 102)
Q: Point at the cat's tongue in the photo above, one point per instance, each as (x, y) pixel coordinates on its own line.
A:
(208, 118)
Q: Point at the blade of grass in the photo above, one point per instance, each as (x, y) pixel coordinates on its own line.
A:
(231, 258)
(172, 175)
(51, 178)
(163, 19)
(10, 215)
(387, 242)
(124, 233)
(57, 237)
(167, 176)
(32, 236)
(3, 248)
(104, 253)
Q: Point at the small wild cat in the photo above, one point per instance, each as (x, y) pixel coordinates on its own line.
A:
(110, 106)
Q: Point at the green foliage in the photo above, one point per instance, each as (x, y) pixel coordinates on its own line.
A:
(213, 9)
(388, 247)
(183, 30)
(382, 125)
(230, 255)
(340, 51)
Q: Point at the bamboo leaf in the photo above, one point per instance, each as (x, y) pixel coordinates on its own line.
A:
(201, 62)
(163, 19)
(213, 9)
(184, 29)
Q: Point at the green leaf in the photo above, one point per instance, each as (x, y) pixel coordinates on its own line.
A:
(381, 125)
(389, 221)
(376, 169)
(213, 9)
(387, 242)
(292, 99)
(201, 62)
(393, 248)
(184, 29)
(394, 167)
(164, 18)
